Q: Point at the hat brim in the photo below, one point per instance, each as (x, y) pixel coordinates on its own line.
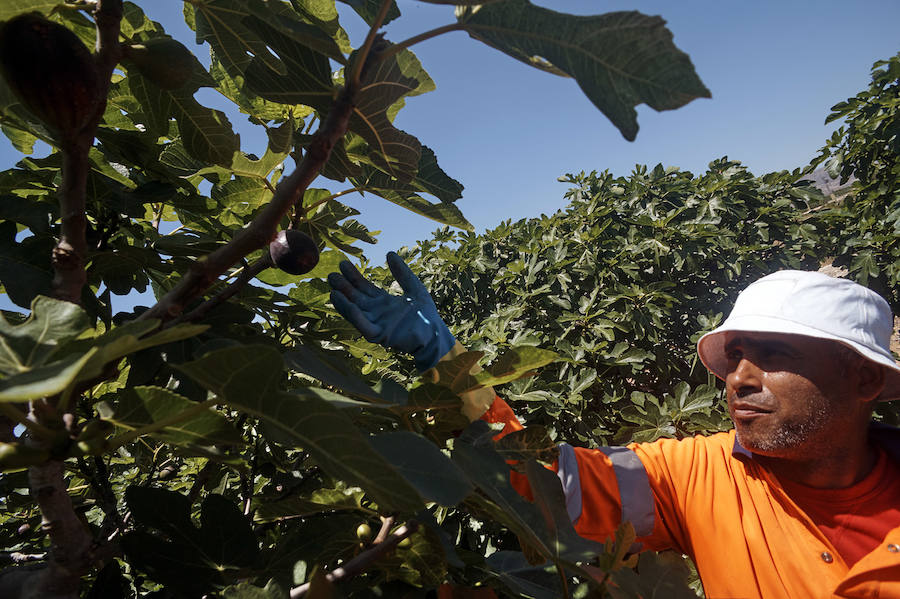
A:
(711, 347)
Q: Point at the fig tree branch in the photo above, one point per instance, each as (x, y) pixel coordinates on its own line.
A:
(260, 232)
(386, 524)
(70, 253)
(364, 560)
(71, 547)
(247, 274)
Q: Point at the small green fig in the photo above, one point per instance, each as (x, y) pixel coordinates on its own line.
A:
(51, 72)
(95, 429)
(364, 532)
(162, 60)
(294, 252)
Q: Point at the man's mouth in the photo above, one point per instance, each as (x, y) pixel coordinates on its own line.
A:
(744, 410)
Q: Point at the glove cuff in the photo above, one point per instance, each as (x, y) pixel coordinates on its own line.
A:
(437, 347)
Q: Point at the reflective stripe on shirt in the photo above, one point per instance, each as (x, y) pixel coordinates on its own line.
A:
(638, 504)
(571, 482)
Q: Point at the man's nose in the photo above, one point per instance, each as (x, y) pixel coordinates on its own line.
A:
(745, 376)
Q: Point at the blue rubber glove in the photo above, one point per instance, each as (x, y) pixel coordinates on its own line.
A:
(408, 322)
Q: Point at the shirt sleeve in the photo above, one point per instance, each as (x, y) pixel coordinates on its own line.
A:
(608, 486)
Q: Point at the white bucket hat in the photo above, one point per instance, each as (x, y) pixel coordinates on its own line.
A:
(815, 305)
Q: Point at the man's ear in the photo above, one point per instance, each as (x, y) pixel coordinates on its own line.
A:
(870, 379)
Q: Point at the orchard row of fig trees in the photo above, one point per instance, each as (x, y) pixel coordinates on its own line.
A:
(237, 438)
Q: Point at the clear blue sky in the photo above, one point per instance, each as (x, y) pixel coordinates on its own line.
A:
(507, 131)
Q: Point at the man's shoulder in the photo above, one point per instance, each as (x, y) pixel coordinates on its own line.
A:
(711, 446)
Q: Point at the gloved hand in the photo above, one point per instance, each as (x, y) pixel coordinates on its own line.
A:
(408, 322)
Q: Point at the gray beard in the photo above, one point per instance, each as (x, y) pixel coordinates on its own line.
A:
(791, 434)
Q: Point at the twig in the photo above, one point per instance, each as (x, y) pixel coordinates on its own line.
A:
(176, 229)
(21, 558)
(247, 273)
(264, 227)
(361, 562)
(386, 524)
(333, 196)
(399, 47)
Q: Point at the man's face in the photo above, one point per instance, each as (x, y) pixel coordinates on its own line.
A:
(787, 394)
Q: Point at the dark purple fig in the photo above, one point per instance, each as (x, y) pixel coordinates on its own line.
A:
(51, 71)
(294, 252)
(162, 60)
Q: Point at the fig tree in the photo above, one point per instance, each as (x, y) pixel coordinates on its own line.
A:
(51, 72)
(162, 60)
(294, 252)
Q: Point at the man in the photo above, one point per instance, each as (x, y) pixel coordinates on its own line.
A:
(801, 500)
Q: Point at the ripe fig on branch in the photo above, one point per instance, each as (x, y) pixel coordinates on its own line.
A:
(294, 252)
(162, 60)
(51, 71)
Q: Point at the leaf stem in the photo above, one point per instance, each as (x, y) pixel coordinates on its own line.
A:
(298, 218)
(400, 46)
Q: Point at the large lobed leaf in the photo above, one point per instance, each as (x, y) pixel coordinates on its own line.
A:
(11, 8)
(248, 378)
(138, 407)
(51, 324)
(619, 59)
(181, 555)
(368, 9)
(383, 83)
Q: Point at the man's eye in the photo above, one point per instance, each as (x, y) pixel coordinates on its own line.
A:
(734, 355)
(773, 351)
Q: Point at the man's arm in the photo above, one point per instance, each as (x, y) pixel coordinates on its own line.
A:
(603, 487)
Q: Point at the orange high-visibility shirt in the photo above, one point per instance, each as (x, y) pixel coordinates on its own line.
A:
(707, 497)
